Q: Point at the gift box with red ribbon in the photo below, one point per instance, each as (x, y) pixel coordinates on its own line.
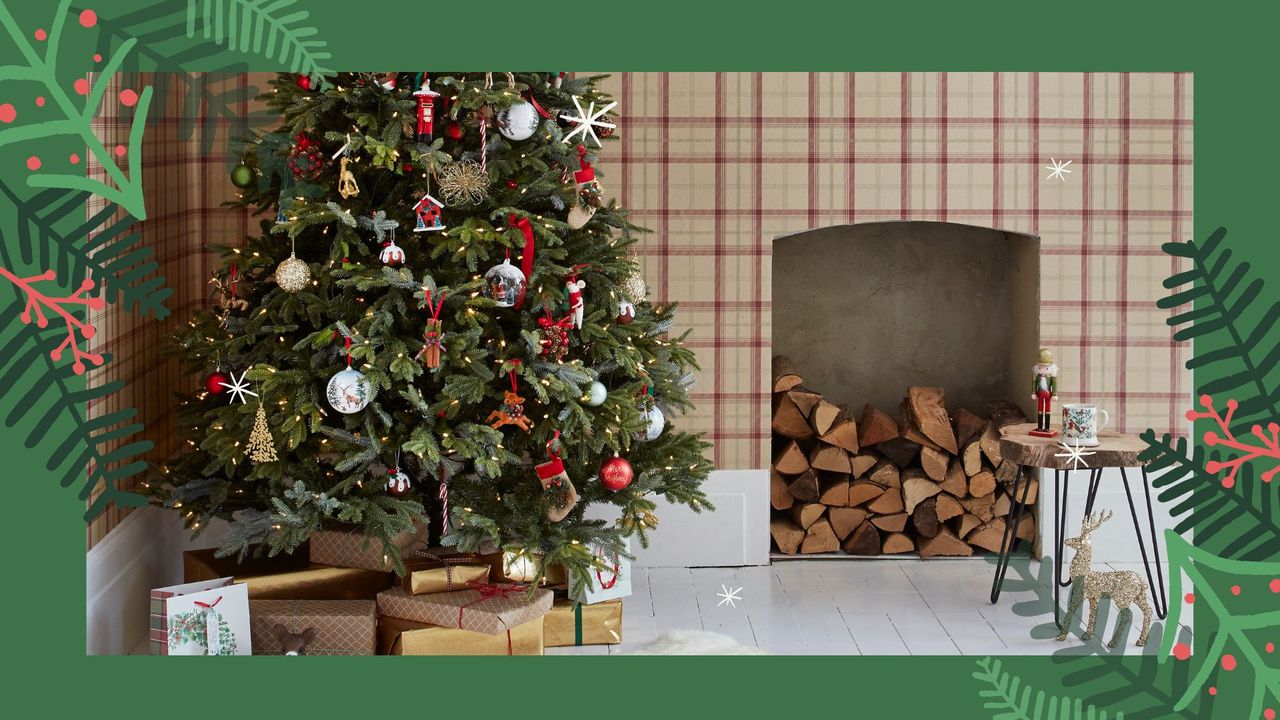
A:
(490, 608)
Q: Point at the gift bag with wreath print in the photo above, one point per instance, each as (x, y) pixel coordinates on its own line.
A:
(610, 580)
(202, 618)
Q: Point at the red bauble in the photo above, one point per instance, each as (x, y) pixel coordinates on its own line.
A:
(303, 82)
(616, 473)
(454, 131)
(407, 167)
(214, 382)
(513, 184)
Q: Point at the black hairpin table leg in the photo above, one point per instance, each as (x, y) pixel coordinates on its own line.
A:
(1156, 581)
(1010, 531)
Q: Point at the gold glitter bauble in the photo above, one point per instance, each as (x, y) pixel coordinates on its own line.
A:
(464, 183)
(635, 288)
(293, 274)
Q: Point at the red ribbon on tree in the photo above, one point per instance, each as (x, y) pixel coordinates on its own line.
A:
(526, 257)
(233, 274)
(347, 338)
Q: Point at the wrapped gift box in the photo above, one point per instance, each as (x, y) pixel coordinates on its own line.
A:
(289, 578)
(571, 623)
(491, 609)
(342, 627)
(406, 637)
(436, 574)
(354, 549)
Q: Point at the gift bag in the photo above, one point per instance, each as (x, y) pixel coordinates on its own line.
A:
(201, 618)
(610, 582)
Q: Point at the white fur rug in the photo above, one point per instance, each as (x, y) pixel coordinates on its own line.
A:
(697, 642)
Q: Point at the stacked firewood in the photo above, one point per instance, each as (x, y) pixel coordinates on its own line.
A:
(928, 481)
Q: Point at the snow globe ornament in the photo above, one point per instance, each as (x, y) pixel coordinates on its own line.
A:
(518, 122)
(657, 423)
(505, 284)
(349, 391)
(596, 393)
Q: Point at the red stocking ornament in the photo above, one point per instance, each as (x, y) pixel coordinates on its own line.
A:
(555, 482)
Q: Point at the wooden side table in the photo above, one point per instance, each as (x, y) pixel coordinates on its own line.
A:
(1113, 451)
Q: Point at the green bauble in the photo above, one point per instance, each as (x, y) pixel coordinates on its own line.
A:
(242, 176)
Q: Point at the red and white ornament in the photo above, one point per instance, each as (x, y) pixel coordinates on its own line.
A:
(626, 312)
(430, 212)
(555, 482)
(303, 82)
(616, 473)
(589, 190)
(398, 483)
(391, 254)
(426, 98)
(574, 287)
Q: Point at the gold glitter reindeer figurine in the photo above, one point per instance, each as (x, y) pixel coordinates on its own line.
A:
(1123, 587)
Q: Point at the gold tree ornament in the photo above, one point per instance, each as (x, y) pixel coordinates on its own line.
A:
(464, 183)
(262, 447)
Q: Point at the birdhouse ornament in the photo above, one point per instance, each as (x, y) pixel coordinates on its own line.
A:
(430, 212)
(588, 197)
(426, 98)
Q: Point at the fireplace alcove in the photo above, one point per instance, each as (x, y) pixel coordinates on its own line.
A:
(863, 311)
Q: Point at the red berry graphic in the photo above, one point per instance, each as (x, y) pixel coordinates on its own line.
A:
(1228, 662)
(75, 159)
(1235, 589)
(7, 113)
(41, 35)
(33, 163)
(82, 86)
(1182, 651)
(88, 18)
(128, 97)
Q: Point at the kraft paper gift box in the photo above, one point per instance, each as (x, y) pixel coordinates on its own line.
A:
(610, 582)
(430, 573)
(486, 608)
(406, 637)
(202, 618)
(294, 579)
(572, 623)
(354, 549)
(342, 627)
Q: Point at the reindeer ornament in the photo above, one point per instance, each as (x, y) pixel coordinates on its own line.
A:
(1125, 588)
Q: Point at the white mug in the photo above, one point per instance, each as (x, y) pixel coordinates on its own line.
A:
(1080, 423)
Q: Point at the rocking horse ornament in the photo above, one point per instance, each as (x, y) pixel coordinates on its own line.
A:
(511, 412)
(1125, 588)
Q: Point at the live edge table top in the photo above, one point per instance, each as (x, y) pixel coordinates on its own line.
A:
(1114, 449)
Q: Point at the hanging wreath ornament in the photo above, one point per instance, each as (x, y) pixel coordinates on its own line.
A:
(306, 161)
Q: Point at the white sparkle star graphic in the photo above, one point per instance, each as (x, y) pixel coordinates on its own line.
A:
(1074, 454)
(238, 388)
(729, 596)
(588, 120)
(1058, 170)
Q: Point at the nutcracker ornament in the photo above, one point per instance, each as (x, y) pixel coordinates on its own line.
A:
(430, 212)
(1044, 389)
(588, 197)
(426, 98)
(555, 482)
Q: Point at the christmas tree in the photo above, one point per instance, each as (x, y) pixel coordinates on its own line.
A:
(444, 325)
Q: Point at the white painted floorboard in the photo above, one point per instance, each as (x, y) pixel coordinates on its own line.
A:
(837, 607)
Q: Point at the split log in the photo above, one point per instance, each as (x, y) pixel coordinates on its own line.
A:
(897, 543)
(990, 442)
(967, 425)
(944, 544)
(875, 426)
(791, 461)
(1031, 486)
(865, 540)
(830, 458)
(824, 415)
(891, 523)
(844, 519)
(1003, 412)
(860, 464)
(1002, 505)
(1006, 472)
(899, 450)
(930, 413)
(1026, 528)
(861, 492)
(966, 525)
(820, 538)
(785, 376)
(805, 486)
(885, 474)
(955, 483)
(834, 489)
(909, 430)
(982, 507)
(842, 434)
(807, 514)
(925, 518)
(916, 487)
(989, 536)
(972, 458)
(788, 421)
(934, 463)
(786, 534)
(887, 504)
(805, 400)
(948, 507)
(984, 483)
(779, 497)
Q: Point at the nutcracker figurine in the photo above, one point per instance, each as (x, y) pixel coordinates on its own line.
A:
(426, 110)
(1044, 389)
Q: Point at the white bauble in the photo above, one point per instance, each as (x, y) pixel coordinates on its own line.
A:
(518, 122)
(597, 393)
(657, 423)
(349, 391)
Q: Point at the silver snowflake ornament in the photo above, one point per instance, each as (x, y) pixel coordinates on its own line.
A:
(1074, 454)
(729, 595)
(588, 120)
(238, 388)
(1058, 170)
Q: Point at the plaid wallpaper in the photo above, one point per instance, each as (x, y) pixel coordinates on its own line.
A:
(718, 164)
